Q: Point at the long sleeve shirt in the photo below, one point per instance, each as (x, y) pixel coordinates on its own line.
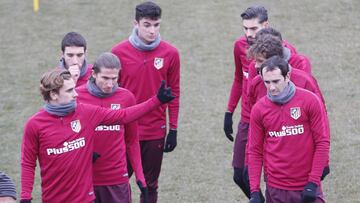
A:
(290, 139)
(113, 142)
(141, 73)
(64, 146)
(241, 77)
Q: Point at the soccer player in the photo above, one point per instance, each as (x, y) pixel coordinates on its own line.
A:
(61, 137)
(110, 168)
(254, 19)
(145, 61)
(288, 135)
(266, 46)
(296, 60)
(7, 189)
(73, 57)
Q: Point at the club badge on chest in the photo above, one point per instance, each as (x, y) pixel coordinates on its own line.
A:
(76, 126)
(295, 112)
(158, 63)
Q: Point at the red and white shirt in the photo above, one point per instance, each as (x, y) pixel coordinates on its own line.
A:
(141, 73)
(113, 142)
(64, 146)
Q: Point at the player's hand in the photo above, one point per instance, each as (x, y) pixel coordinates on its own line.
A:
(255, 197)
(308, 195)
(326, 172)
(164, 93)
(144, 190)
(95, 156)
(75, 72)
(170, 142)
(228, 126)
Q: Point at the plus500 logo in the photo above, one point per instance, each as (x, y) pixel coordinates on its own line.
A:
(288, 131)
(108, 128)
(68, 146)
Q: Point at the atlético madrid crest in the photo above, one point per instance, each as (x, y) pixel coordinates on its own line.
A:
(115, 106)
(158, 63)
(76, 126)
(295, 112)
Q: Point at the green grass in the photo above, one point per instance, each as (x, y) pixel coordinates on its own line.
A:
(199, 170)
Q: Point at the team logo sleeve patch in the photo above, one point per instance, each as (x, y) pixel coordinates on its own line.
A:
(115, 106)
(295, 112)
(158, 63)
(76, 126)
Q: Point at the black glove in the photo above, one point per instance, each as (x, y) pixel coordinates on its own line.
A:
(170, 142)
(25, 201)
(164, 93)
(228, 126)
(308, 195)
(255, 197)
(326, 172)
(95, 156)
(144, 191)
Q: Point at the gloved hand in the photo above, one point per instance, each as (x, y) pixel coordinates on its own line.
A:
(95, 156)
(326, 172)
(164, 93)
(255, 197)
(308, 195)
(25, 201)
(144, 191)
(228, 126)
(170, 142)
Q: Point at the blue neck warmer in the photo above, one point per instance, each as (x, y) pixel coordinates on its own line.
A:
(61, 109)
(96, 91)
(139, 44)
(285, 96)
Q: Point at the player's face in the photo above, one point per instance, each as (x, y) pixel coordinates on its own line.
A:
(259, 60)
(274, 81)
(74, 56)
(148, 29)
(106, 79)
(66, 93)
(251, 27)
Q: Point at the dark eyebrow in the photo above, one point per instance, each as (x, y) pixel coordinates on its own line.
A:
(250, 27)
(69, 90)
(112, 78)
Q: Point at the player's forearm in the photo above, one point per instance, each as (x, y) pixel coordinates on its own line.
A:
(134, 155)
(173, 110)
(27, 180)
(320, 160)
(129, 114)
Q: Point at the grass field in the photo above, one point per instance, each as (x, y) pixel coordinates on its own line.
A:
(199, 170)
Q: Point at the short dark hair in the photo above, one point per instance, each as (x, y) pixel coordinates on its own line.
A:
(270, 31)
(275, 62)
(255, 12)
(267, 46)
(106, 60)
(73, 39)
(147, 9)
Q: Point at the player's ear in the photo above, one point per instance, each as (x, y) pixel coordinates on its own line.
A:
(136, 23)
(266, 24)
(53, 96)
(287, 77)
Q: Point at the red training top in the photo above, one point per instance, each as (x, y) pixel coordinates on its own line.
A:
(141, 73)
(64, 147)
(113, 142)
